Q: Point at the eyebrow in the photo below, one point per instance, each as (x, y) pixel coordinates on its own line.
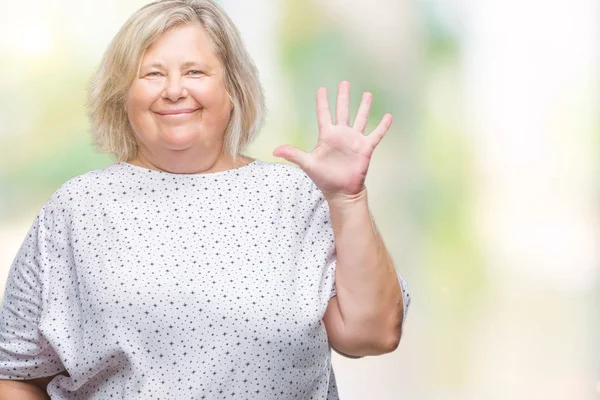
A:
(185, 65)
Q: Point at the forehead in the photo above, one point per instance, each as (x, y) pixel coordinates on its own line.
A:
(182, 43)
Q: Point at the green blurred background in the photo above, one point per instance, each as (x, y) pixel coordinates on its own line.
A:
(485, 188)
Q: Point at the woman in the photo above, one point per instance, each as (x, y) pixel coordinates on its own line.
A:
(186, 270)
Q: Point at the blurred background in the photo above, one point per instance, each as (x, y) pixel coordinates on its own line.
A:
(485, 189)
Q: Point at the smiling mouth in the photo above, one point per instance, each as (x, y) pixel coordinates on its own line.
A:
(178, 114)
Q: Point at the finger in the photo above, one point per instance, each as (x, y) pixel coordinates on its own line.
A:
(293, 154)
(343, 104)
(376, 136)
(362, 115)
(323, 114)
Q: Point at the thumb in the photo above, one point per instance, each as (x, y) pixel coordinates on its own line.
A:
(292, 154)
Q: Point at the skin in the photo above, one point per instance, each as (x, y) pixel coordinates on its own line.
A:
(365, 318)
(339, 163)
(181, 71)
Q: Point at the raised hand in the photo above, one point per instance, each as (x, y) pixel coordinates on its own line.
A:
(338, 165)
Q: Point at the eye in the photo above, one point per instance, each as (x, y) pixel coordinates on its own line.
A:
(195, 72)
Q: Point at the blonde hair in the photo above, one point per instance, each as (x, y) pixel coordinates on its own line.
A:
(109, 86)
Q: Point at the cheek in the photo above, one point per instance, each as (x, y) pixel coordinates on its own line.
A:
(143, 94)
(139, 100)
(210, 94)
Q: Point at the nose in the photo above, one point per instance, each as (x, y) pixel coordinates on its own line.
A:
(174, 90)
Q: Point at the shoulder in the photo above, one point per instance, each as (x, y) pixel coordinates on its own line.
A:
(282, 170)
(286, 175)
(292, 187)
(78, 189)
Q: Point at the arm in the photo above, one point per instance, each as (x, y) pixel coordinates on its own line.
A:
(11, 389)
(365, 318)
(26, 389)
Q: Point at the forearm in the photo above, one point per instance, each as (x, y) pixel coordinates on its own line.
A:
(19, 390)
(369, 294)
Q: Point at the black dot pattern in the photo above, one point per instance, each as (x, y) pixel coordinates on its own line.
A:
(151, 285)
(144, 284)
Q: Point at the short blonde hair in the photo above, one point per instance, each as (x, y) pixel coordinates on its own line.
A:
(109, 87)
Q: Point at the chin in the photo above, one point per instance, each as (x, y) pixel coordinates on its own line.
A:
(179, 137)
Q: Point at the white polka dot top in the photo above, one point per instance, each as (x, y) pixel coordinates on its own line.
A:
(144, 284)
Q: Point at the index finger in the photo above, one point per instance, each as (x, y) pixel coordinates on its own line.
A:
(323, 113)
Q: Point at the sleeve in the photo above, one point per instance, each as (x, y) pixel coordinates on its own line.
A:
(24, 351)
(321, 228)
(319, 238)
(405, 296)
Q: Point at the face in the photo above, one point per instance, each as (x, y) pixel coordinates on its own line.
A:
(178, 100)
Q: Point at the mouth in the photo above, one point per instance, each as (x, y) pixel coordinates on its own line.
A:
(178, 113)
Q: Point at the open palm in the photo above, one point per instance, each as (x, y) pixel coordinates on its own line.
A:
(338, 165)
